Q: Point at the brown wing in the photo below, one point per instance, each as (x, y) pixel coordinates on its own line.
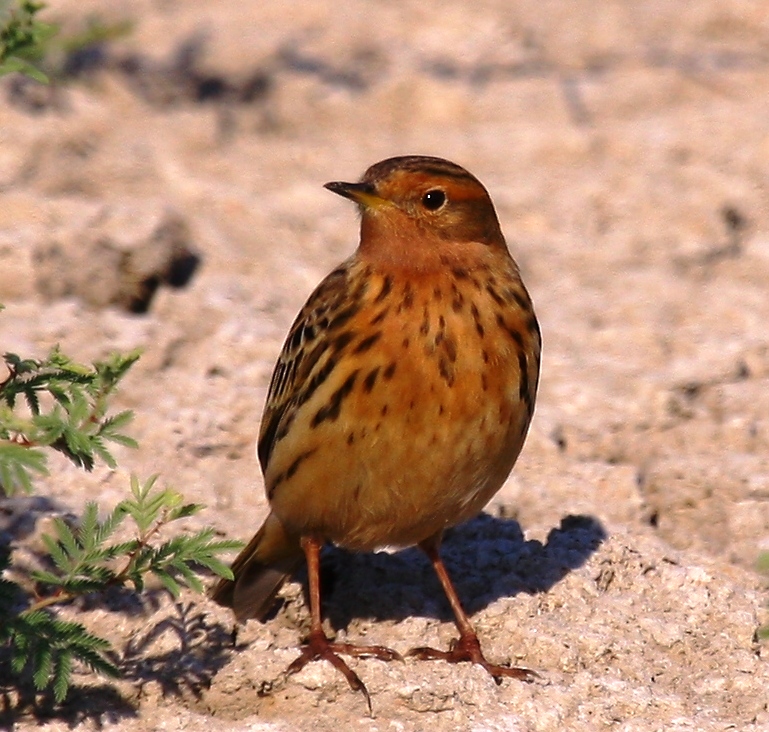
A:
(309, 354)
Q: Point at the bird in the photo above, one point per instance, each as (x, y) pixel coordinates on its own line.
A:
(400, 401)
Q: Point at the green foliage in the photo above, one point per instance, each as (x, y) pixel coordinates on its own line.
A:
(43, 647)
(57, 404)
(35, 643)
(66, 406)
(83, 557)
(23, 38)
(37, 49)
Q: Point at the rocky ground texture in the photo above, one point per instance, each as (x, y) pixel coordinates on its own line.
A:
(167, 194)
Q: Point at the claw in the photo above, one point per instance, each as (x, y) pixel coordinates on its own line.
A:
(468, 648)
(320, 648)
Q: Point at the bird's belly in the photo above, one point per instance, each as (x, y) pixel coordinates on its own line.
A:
(407, 488)
(418, 452)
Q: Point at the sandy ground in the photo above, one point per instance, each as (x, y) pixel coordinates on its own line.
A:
(626, 147)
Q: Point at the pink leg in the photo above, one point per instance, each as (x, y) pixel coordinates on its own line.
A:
(466, 647)
(317, 646)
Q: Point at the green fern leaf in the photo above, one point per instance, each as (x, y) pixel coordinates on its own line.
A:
(190, 578)
(87, 532)
(67, 538)
(42, 661)
(60, 558)
(167, 581)
(17, 464)
(61, 677)
(188, 509)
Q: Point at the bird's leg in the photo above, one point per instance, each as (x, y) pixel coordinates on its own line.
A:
(318, 646)
(466, 647)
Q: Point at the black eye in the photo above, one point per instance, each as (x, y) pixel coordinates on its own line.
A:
(434, 199)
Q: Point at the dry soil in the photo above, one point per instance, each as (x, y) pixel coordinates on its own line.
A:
(168, 195)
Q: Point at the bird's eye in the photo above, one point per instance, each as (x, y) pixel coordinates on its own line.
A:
(434, 199)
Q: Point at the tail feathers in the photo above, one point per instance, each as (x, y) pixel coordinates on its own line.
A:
(252, 594)
(255, 590)
(260, 570)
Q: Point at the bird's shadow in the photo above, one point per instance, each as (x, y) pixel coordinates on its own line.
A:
(487, 558)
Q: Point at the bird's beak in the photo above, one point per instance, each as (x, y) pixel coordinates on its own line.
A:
(362, 193)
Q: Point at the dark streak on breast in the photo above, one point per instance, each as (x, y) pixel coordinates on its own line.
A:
(523, 385)
(380, 317)
(367, 343)
(424, 327)
(457, 298)
(408, 298)
(446, 370)
(477, 319)
(297, 462)
(494, 294)
(370, 380)
(521, 300)
(289, 473)
(330, 411)
(450, 347)
(387, 285)
(512, 332)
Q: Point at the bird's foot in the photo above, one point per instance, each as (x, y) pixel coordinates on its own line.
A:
(319, 648)
(468, 648)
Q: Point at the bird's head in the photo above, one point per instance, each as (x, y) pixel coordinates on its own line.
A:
(419, 210)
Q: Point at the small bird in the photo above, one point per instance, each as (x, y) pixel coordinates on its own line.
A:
(400, 401)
